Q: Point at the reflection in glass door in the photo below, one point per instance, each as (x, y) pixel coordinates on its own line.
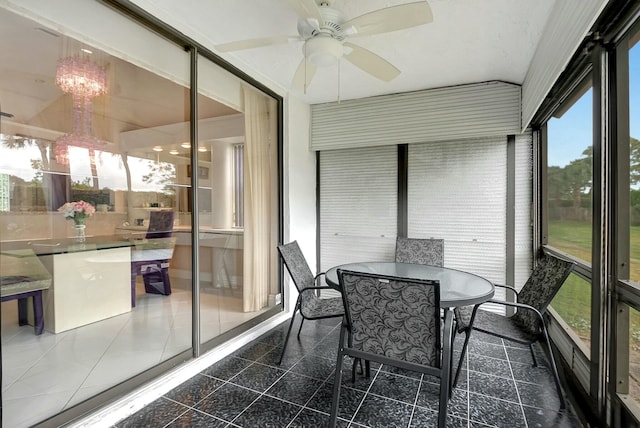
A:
(237, 176)
(114, 303)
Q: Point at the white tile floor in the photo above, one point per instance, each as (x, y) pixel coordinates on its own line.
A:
(44, 375)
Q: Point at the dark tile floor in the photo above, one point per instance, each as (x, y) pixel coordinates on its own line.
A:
(498, 388)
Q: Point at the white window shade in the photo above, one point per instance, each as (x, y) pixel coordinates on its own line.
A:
(441, 114)
(457, 192)
(358, 205)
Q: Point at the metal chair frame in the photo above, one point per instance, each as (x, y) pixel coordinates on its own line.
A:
(303, 289)
(442, 353)
(544, 334)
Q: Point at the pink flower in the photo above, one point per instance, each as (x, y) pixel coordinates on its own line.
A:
(77, 211)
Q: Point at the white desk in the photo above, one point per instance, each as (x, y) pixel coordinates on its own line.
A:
(88, 286)
(91, 281)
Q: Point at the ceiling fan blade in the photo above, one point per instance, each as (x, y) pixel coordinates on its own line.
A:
(391, 19)
(254, 43)
(371, 63)
(304, 74)
(306, 9)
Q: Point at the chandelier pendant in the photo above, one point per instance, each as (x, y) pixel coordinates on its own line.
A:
(84, 80)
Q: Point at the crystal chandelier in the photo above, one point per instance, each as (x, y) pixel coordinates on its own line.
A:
(81, 77)
(84, 80)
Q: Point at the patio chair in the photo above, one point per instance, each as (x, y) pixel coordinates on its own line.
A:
(393, 321)
(420, 251)
(309, 303)
(527, 325)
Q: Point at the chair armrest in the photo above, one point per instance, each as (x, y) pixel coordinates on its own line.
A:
(507, 286)
(319, 287)
(315, 280)
(516, 305)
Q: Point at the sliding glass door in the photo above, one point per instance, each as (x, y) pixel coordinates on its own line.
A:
(98, 207)
(237, 196)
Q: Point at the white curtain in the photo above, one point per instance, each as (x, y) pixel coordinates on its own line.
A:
(260, 198)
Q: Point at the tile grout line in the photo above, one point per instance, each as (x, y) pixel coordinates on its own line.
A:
(364, 397)
(304, 406)
(193, 408)
(228, 382)
(415, 400)
(260, 395)
(322, 384)
(320, 352)
(286, 371)
(524, 416)
(99, 360)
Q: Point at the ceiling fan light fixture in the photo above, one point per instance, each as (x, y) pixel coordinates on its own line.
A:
(323, 50)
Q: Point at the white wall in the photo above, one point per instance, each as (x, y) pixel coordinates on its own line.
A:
(299, 190)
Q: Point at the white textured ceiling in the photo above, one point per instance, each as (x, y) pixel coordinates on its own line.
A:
(468, 41)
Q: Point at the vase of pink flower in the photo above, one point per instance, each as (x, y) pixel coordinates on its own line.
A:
(78, 212)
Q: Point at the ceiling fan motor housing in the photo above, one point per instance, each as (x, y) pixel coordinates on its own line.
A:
(324, 47)
(332, 22)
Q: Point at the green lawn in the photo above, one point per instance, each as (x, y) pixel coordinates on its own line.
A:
(573, 301)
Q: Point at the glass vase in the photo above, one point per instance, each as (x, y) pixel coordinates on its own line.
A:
(80, 235)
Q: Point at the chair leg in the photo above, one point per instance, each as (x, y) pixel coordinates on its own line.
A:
(463, 353)
(533, 355)
(300, 329)
(453, 341)
(357, 362)
(134, 274)
(554, 368)
(353, 369)
(157, 280)
(38, 314)
(445, 374)
(337, 381)
(166, 281)
(286, 339)
(22, 311)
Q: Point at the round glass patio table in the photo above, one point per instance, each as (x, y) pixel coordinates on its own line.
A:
(457, 288)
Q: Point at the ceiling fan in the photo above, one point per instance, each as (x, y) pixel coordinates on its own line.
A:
(324, 31)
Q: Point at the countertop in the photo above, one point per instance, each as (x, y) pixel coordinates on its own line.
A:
(233, 231)
(43, 247)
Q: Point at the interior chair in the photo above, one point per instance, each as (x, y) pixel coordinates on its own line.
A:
(309, 303)
(152, 255)
(526, 325)
(27, 278)
(420, 251)
(393, 321)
